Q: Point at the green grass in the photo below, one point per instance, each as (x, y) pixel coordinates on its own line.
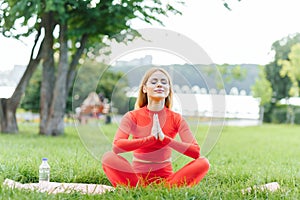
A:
(243, 157)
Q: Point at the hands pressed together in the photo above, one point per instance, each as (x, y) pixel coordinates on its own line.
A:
(156, 130)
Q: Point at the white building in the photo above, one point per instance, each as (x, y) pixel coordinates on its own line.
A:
(9, 80)
(236, 105)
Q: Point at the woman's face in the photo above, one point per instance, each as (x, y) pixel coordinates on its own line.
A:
(157, 87)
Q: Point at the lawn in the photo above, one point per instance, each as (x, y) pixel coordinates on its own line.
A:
(242, 158)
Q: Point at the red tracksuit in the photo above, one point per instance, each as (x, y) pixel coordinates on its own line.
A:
(152, 157)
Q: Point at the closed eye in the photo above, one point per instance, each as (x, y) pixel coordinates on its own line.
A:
(155, 81)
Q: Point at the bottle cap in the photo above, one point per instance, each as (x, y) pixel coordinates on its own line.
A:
(44, 159)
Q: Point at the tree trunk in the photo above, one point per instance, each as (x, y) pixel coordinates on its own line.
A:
(261, 114)
(54, 91)
(46, 93)
(55, 123)
(48, 75)
(8, 117)
(9, 106)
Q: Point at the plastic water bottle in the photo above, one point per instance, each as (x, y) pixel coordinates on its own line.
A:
(44, 171)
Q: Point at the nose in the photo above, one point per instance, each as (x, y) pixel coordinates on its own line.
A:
(159, 84)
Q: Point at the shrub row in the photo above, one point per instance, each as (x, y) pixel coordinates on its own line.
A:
(284, 114)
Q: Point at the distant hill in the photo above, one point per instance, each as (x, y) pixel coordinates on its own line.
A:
(201, 75)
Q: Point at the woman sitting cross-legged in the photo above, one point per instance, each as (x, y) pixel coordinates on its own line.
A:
(153, 127)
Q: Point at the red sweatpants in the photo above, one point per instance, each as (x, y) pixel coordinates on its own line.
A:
(120, 172)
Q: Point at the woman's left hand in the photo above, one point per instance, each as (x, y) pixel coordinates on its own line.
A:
(160, 133)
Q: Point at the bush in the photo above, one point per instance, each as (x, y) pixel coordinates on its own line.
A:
(279, 115)
(297, 116)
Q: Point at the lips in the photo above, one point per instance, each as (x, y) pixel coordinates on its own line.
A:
(159, 90)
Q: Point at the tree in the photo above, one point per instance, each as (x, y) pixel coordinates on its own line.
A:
(262, 89)
(280, 85)
(71, 28)
(291, 69)
(9, 106)
(111, 84)
(228, 74)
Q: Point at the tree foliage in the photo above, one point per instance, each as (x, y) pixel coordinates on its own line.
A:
(281, 84)
(232, 73)
(228, 74)
(113, 86)
(110, 84)
(281, 48)
(262, 88)
(291, 69)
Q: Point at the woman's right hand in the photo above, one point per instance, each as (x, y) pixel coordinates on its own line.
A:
(154, 130)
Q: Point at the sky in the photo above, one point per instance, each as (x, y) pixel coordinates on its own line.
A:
(243, 35)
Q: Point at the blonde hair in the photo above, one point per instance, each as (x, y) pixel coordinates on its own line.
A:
(142, 99)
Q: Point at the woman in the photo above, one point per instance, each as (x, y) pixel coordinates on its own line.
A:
(153, 128)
